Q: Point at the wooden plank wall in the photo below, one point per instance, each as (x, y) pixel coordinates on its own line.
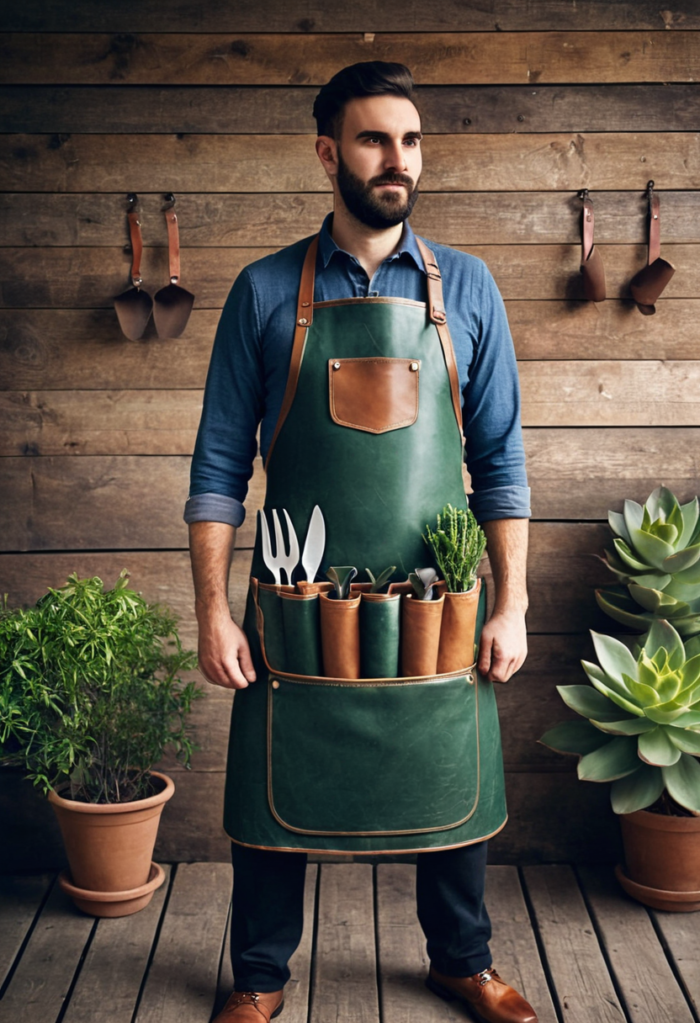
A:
(523, 105)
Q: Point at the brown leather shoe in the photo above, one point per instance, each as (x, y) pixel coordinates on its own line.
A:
(489, 997)
(251, 1007)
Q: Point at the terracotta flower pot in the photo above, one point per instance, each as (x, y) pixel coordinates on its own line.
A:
(662, 860)
(110, 845)
(458, 630)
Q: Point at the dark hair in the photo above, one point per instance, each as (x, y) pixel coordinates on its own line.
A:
(369, 78)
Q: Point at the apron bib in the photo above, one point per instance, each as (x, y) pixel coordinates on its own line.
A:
(370, 430)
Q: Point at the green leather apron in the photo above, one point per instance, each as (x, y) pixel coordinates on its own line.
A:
(354, 766)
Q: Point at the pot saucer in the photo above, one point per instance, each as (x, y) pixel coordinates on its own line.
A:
(113, 904)
(657, 898)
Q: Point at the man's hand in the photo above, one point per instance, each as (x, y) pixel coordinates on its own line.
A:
(224, 653)
(503, 646)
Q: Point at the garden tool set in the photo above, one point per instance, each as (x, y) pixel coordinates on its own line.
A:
(351, 630)
(171, 305)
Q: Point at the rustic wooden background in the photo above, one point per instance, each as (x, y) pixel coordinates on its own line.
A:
(523, 105)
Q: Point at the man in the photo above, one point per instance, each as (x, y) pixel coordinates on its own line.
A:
(363, 289)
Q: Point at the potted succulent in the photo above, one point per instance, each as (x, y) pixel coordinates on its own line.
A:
(656, 559)
(642, 731)
(90, 699)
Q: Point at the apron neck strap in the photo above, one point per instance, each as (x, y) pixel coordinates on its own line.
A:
(436, 303)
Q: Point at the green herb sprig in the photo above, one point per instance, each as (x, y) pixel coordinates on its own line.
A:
(458, 543)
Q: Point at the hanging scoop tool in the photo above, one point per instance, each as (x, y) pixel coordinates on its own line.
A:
(650, 281)
(172, 305)
(134, 306)
(591, 263)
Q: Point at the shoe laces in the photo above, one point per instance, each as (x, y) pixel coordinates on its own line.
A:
(486, 975)
(248, 998)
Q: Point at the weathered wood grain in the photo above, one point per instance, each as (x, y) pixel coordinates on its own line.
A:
(45, 972)
(610, 393)
(643, 976)
(110, 979)
(345, 981)
(576, 963)
(520, 58)
(20, 899)
(85, 349)
(555, 818)
(451, 218)
(249, 163)
(560, 330)
(88, 278)
(679, 931)
(99, 422)
(182, 977)
(231, 109)
(326, 16)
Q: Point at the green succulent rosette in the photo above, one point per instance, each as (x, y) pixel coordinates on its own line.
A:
(656, 558)
(642, 727)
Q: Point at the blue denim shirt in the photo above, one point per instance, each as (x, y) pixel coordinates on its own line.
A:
(252, 351)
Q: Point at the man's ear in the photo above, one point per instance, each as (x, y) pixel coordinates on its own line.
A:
(327, 150)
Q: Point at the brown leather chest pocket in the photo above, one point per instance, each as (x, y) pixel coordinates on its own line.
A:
(375, 395)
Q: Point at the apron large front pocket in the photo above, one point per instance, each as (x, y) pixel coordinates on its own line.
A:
(361, 758)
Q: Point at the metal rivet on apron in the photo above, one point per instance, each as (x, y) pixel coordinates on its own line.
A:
(336, 365)
(469, 678)
(414, 366)
(275, 684)
(302, 322)
(306, 304)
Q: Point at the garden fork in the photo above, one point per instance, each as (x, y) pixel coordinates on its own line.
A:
(283, 560)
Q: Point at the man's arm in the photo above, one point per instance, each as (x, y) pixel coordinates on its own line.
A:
(224, 654)
(503, 645)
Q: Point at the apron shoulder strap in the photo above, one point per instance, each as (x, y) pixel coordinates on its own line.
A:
(305, 315)
(438, 316)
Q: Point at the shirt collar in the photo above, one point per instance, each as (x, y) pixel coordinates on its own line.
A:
(407, 246)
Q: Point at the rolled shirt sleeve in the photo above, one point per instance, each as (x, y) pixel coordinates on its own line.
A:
(493, 437)
(226, 444)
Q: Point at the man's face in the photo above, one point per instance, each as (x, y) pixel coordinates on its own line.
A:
(379, 159)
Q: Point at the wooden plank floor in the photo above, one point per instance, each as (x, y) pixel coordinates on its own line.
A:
(569, 939)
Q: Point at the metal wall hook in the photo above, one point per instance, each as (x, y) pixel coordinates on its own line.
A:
(133, 200)
(169, 200)
(583, 194)
(650, 189)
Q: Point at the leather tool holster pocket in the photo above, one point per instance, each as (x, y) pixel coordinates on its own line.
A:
(373, 394)
(421, 621)
(380, 617)
(458, 630)
(340, 636)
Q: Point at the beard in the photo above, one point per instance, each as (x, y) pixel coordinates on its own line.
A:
(378, 210)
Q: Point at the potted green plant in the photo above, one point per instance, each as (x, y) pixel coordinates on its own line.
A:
(90, 698)
(641, 733)
(457, 543)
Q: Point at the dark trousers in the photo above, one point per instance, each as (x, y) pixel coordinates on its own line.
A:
(268, 912)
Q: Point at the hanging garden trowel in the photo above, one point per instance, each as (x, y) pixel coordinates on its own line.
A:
(314, 545)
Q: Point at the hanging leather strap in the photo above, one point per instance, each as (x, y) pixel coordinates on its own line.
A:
(136, 247)
(305, 315)
(438, 316)
(587, 225)
(173, 245)
(654, 229)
